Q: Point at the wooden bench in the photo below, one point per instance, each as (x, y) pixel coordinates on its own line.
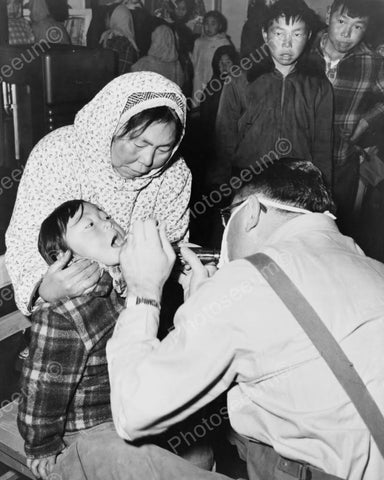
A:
(11, 444)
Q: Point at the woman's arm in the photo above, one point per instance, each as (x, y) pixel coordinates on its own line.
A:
(48, 180)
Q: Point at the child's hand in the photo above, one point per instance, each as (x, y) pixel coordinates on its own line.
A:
(42, 467)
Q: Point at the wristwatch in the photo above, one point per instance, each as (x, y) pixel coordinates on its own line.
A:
(132, 300)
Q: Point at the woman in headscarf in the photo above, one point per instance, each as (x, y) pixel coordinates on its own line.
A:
(162, 56)
(120, 37)
(44, 26)
(120, 154)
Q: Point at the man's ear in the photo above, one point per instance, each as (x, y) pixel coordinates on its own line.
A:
(253, 211)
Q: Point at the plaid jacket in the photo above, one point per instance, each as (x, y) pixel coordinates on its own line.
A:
(359, 93)
(64, 383)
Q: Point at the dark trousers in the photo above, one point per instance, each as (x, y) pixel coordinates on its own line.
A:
(263, 463)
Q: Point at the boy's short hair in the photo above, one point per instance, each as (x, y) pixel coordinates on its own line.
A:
(219, 17)
(297, 10)
(354, 8)
(294, 182)
(53, 229)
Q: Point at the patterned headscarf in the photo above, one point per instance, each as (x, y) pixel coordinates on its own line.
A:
(96, 124)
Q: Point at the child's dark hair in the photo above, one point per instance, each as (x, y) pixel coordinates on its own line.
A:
(229, 50)
(220, 19)
(295, 10)
(52, 231)
(137, 124)
(354, 8)
(189, 6)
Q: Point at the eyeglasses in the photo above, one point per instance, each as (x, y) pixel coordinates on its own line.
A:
(226, 212)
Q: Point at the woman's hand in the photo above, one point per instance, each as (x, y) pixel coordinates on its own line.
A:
(146, 259)
(195, 274)
(60, 282)
(42, 467)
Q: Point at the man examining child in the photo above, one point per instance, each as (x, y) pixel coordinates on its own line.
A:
(233, 334)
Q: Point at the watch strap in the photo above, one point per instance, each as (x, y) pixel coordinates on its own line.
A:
(136, 300)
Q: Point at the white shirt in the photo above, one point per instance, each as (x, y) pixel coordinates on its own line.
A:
(235, 329)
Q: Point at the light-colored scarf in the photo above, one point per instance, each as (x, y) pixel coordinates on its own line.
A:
(120, 24)
(39, 10)
(98, 122)
(163, 46)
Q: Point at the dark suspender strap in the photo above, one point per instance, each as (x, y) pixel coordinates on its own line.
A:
(325, 343)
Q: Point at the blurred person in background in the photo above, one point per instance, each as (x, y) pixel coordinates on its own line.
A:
(44, 26)
(162, 56)
(120, 37)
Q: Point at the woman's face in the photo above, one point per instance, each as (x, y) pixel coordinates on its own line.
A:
(135, 156)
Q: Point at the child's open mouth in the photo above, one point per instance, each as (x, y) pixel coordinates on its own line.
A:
(117, 241)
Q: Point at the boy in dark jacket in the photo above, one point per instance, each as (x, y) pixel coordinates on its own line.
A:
(285, 110)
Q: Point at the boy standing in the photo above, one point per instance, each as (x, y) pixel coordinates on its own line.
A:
(357, 76)
(286, 109)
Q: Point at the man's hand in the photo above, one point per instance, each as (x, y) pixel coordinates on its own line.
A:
(60, 282)
(41, 467)
(146, 259)
(191, 279)
(361, 127)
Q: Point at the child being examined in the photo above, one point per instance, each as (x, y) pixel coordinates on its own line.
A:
(65, 386)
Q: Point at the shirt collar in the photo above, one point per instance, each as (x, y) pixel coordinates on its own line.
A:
(303, 223)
